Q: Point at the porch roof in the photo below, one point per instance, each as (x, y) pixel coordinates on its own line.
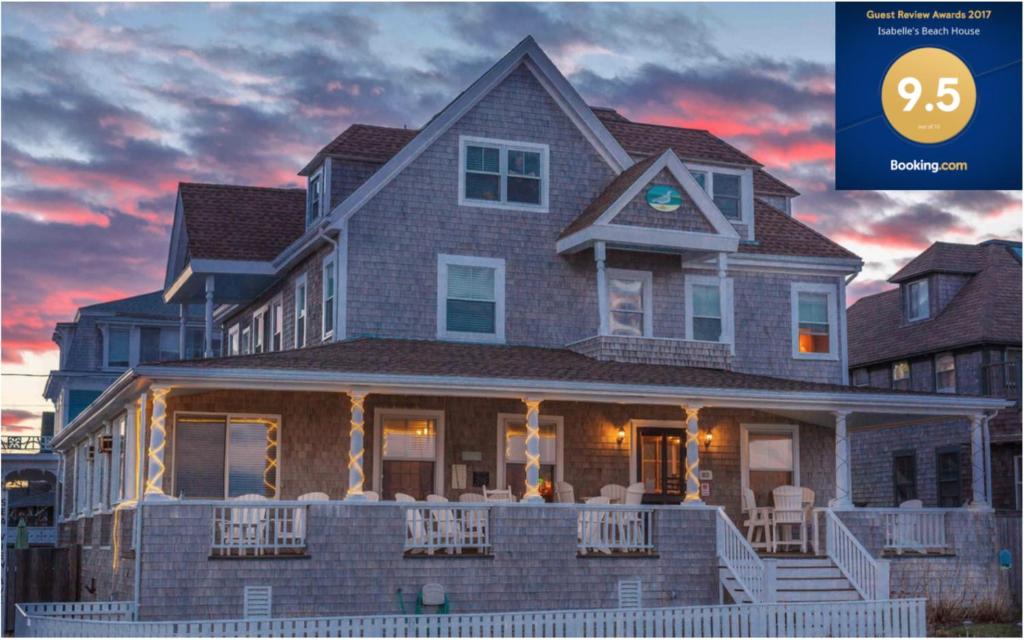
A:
(430, 367)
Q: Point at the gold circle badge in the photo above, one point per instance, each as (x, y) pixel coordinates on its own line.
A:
(928, 95)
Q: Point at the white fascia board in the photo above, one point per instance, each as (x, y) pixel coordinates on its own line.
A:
(862, 402)
(178, 236)
(653, 238)
(115, 395)
(527, 49)
(182, 279)
(248, 267)
(802, 265)
(224, 310)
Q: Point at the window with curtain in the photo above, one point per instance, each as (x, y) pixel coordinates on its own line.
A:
(233, 341)
(814, 326)
(945, 374)
(158, 343)
(707, 312)
(118, 346)
(917, 300)
(626, 304)
(904, 476)
(217, 457)
(408, 454)
(770, 462)
(901, 375)
(471, 302)
(514, 445)
(727, 193)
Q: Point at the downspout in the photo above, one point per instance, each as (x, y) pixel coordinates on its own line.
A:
(844, 358)
(140, 447)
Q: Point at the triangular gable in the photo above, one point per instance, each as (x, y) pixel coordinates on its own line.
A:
(686, 216)
(609, 220)
(550, 78)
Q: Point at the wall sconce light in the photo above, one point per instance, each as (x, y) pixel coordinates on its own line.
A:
(707, 439)
(621, 437)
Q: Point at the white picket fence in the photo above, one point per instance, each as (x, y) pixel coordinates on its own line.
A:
(886, 619)
(258, 530)
(451, 529)
(611, 529)
(917, 530)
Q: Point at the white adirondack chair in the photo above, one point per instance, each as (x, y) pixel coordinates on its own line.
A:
(635, 493)
(565, 493)
(759, 521)
(788, 516)
(414, 521)
(498, 495)
(616, 493)
(247, 526)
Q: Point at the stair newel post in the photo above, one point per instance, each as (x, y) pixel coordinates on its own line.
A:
(882, 579)
(770, 582)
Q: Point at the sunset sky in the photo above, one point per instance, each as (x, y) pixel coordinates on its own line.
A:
(107, 107)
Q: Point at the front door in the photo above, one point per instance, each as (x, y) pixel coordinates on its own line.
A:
(661, 461)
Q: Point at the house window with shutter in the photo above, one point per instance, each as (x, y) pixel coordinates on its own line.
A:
(471, 298)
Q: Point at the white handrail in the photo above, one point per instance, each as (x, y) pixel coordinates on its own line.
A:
(740, 558)
(870, 577)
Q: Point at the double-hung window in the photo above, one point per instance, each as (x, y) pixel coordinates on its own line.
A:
(217, 456)
(630, 308)
(814, 321)
(904, 476)
(276, 322)
(471, 298)
(901, 375)
(118, 349)
(158, 343)
(708, 312)
(259, 330)
(512, 451)
(300, 312)
(917, 300)
(725, 189)
(947, 475)
(328, 297)
(500, 173)
(314, 197)
(233, 341)
(945, 373)
(246, 338)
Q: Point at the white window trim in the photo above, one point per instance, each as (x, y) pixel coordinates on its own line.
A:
(214, 415)
(635, 426)
(277, 300)
(647, 291)
(747, 429)
(504, 419)
(504, 146)
(746, 191)
(328, 269)
(725, 301)
(833, 319)
(378, 430)
(323, 176)
(498, 264)
(257, 335)
(245, 340)
(233, 334)
(928, 300)
(133, 345)
(300, 282)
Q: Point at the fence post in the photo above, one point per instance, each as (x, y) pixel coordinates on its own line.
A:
(882, 579)
(770, 571)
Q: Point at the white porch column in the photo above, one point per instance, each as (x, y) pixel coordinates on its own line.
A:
(208, 327)
(600, 254)
(844, 498)
(157, 443)
(979, 498)
(532, 451)
(182, 312)
(131, 447)
(356, 477)
(692, 455)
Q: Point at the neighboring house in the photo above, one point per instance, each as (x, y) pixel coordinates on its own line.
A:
(107, 338)
(526, 292)
(30, 472)
(953, 325)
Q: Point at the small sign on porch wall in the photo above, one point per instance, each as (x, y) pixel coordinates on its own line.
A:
(705, 489)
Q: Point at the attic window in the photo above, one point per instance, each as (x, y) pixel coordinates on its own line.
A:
(314, 197)
(917, 300)
(503, 174)
(725, 187)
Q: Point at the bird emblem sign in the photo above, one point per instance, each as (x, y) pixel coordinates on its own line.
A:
(664, 198)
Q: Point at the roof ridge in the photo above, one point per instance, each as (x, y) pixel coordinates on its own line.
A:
(237, 186)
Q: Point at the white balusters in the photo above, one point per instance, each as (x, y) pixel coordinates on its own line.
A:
(870, 577)
(615, 529)
(740, 558)
(259, 529)
(454, 529)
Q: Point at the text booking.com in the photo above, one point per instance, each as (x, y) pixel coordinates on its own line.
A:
(925, 165)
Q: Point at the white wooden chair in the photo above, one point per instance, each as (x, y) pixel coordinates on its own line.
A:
(911, 504)
(247, 526)
(498, 495)
(299, 528)
(787, 516)
(616, 493)
(445, 523)
(314, 496)
(635, 493)
(371, 496)
(759, 521)
(807, 502)
(471, 497)
(592, 524)
(565, 493)
(414, 521)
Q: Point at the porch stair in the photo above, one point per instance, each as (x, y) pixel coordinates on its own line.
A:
(798, 579)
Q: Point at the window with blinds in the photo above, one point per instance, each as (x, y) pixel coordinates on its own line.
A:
(814, 323)
(217, 457)
(409, 453)
(471, 298)
(707, 312)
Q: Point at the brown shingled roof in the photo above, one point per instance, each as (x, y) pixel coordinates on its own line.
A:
(619, 185)
(365, 142)
(382, 356)
(229, 222)
(777, 233)
(767, 184)
(986, 310)
(947, 257)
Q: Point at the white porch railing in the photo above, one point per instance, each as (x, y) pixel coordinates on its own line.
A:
(36, 535)
(869, 576)
(916, 530)
(112, 611)
(258, 529)
(612, 529)
(453, 528)
(888, 618)
(740, 558)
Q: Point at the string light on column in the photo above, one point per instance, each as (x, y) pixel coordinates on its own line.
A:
(692, 455)
(356, 477)
(532, 493)
(157, 442)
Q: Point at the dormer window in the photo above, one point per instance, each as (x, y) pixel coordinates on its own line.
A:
(727, 194)
(917, 300)
(314, 197)
(727, 189)
(503, 174)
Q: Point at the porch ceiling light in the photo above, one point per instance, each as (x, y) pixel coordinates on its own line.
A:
(621, 436)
